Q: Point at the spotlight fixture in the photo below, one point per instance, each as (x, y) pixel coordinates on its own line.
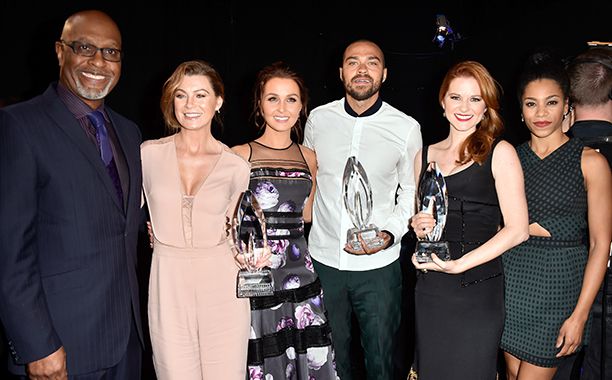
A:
(444, 33)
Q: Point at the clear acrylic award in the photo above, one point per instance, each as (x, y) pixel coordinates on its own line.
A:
(433, 198)
(357, 194)
(249, 235)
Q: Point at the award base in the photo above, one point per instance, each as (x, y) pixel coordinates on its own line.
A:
(255, 284)
(424, 249)
(369, 234)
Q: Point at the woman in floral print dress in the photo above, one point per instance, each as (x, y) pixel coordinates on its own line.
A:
(290, 336)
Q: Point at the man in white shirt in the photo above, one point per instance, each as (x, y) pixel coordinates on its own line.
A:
(385, 141)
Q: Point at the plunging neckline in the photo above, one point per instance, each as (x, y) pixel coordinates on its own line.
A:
(182, 187)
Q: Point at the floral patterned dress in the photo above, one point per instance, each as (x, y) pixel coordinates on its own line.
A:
(290, 336)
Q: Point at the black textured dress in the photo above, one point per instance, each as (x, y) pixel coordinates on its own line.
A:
(459, 318)
(544, 274)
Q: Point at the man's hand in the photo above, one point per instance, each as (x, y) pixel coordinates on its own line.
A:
(53, 367)
(365, 250)
(229, 225)
(150, 232)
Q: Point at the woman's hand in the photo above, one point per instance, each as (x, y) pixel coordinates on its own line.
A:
(570, 336)
(422, 224)
(438, 265)
(262, 261)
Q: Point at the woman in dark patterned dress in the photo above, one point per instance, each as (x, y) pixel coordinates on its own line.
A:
(290, 336)
(460, 303)
(552, 278)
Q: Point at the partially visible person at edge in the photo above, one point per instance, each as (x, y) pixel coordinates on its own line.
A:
(459, 303)
(366, 281)
(192, 182)
(591, 97)
(290, 336)
(70, 183)
(552, 279)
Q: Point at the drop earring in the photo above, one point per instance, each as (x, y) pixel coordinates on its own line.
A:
(522, 119)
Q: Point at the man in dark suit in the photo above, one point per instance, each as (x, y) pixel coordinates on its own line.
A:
(70, 184)
(591, 94)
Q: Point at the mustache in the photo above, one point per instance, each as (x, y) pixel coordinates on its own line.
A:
(97, 72)
(356, 77)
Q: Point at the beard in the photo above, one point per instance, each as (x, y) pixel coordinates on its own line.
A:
(363, 92)
(92, 93)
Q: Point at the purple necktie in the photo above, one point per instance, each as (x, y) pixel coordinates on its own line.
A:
(106, 151)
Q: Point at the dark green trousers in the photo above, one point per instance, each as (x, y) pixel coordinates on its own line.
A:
(375, 298)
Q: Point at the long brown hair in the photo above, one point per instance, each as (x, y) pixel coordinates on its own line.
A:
(279, 69)
(478, 145)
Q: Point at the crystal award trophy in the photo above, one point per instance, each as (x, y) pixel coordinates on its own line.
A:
(248, 233)
(433, 198)
(357, 195)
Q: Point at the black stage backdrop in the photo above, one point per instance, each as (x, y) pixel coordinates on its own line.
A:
(239, 38)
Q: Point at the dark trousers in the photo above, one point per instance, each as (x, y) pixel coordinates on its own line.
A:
(587, 365)
(591, 369)
(375, 298)
(128, 367)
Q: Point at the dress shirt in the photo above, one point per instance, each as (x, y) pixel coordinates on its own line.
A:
(385, 141)
(80, 110)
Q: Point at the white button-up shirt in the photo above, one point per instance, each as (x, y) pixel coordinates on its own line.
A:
(385, 141)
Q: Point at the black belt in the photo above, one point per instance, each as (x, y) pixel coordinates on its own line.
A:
(298, 295)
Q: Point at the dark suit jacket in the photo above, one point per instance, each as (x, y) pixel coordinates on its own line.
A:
(67, 245)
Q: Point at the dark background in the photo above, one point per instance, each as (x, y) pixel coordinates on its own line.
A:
(239, 39)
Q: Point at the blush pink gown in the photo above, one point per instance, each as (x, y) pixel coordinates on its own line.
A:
(199, 328)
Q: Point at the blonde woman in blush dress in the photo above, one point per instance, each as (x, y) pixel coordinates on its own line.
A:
(199, 328)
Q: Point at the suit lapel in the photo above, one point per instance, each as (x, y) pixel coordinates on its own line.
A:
(129, 153)
(71, 127)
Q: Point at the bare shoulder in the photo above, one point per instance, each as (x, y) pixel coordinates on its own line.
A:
(593, 161)
(505, 163)
(243, 150)
(308, 153)
(504, 151)
(310, 156)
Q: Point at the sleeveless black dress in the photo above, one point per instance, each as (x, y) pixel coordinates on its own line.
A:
(459, 318)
